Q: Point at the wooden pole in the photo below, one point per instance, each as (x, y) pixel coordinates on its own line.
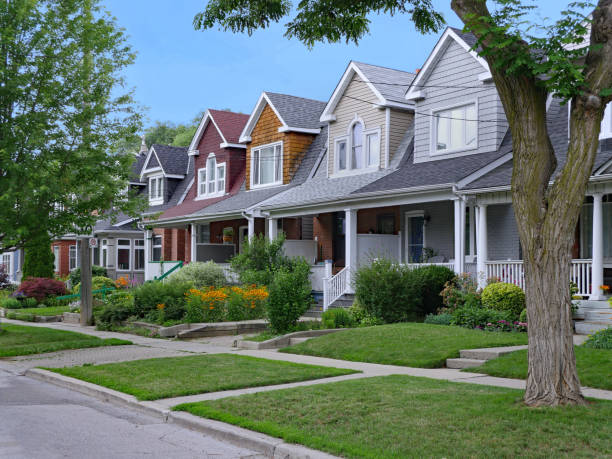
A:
(86, 296)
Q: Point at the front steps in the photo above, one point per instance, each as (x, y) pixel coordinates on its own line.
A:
(316, 310)
(471, 358)
(597, 316)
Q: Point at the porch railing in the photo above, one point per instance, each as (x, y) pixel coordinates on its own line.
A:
(334, 288)
(419, 265)
(513, 272)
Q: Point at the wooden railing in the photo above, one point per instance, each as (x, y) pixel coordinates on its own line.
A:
(334, 287)
(512, 272)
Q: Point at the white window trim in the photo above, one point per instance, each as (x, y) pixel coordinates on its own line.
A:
(408, 215)
(57, 261)
(103, 251)
(123, 247)
(76, 257)
(9, 268)
(159, 189)
(433, 129)
(260, 147)
(216, 193)
(348, 138)
(161, 247)
(142, 247)
(606, 123)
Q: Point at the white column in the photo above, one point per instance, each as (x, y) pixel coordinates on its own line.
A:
(350, 245)
(472, 224)
(272, 228)
(148, 242)
(459, 235)
(251, 228)
(482, 246)
(597, 257)
(194, 240)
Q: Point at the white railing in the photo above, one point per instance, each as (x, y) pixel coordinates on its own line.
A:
(513, 272)
(334, 287)
(420, 265)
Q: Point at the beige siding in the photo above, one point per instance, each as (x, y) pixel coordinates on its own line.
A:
(400, 122)
(358, 100)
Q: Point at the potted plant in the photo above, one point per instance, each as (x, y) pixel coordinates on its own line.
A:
(228, 235)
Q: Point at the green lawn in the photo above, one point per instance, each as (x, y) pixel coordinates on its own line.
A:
(409, 344)
(22, 340)
(153, 379)
(46, 311)
(594, 366)
(403, 416)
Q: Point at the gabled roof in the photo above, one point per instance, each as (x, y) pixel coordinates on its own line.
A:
(466, 40)
(137, 166)
(388, 85)
(173, 161)
(296, 114)
(229, 125)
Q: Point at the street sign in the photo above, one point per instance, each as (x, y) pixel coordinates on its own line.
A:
(93, 242)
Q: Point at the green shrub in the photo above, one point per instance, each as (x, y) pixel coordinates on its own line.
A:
(428, 282)
(10, 303)
(523, 316)
(208, 274)
(475, 317)
(171, 294)
(504, 297)
(38, 258)
(461, 291)
(600, 340)
(30, 302)
(25, 316)
(194, 313)
(337, 318)
(97, 283)
(118, 307)
(96, 271)
(260, 260)
(439, 319)
(361, 317)
(290, 295)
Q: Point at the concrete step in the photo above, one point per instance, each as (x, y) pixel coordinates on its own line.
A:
(293, 341)
(488, 353)
(598, 315)
(463, 363)
(313, 314)
(591, 304)
(586, 328)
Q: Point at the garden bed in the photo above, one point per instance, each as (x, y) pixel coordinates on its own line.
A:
(45, 314)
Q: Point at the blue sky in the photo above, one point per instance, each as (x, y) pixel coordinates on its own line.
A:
(179, 71)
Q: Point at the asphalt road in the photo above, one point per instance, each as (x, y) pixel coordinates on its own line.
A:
(39, 420)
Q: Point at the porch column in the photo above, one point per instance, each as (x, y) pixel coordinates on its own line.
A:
(459, 235)
(597, 257)
(481, 242)
(272, 228)
(148, 241)
(472, 225)
(350, 239)
(251, 228)
(194, 241)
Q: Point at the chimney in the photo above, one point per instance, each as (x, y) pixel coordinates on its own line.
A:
(143, 147)
(417, 71)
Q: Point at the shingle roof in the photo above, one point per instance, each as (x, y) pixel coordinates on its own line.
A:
(391, 83)
(109, 224)
(297, 112)
(178, 193)
(137, 167)
(231, 124)
(467, 37)
(174, 160)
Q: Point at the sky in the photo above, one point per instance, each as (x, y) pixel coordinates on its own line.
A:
(180, 72)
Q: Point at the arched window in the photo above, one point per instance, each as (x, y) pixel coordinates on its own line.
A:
(211, 179)
(357, 146)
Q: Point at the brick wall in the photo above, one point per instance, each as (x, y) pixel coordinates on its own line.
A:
(323, 232)
(292, 228)
(64, 266)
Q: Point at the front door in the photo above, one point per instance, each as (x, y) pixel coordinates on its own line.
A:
(243, 233)
(415, 238)
(338, 241)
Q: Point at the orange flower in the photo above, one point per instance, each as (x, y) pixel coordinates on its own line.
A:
(604, 287)
(161, 306)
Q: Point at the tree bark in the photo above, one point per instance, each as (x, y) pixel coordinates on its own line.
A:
(547, 213)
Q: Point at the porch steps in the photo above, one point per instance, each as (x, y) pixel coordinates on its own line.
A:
(587, 328)
(470, 358)
(345, 301)
(597, 316)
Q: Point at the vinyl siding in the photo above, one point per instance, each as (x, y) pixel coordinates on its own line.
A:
(453, 81)
(400, 122)
(502, 232)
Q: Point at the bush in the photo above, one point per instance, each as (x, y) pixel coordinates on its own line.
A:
(97, 283)
(461, 291)
(290, 296)
(38, 258)
(523, 316)
(200, 274)
(504, 297)
(96, 271)
(260, 260)
(439, 319)
(600, 340)
(30, 303)
(41, 288)
(171, 294)
(428, 282)
(117, 308)
(246, 303)
(10, 303)
(474, 317)
(5, 282)
(337, 318)
(211, 303)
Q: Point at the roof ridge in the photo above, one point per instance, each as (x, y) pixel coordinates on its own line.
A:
(296, 97)
(384, 67)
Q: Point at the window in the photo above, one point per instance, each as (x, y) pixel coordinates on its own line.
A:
(156, 190)
(606, 123)
(104, 249)
(139, 255)
(203, 233)
(72, 257)
(267, 165)
(359, 150)
(455, 129)
(156, 253)
(56, 258)
(211, 179)
(5, 262)
(123, 254)
(415, 236)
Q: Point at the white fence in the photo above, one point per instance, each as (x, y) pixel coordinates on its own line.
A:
(317, 277)
(371, 246)
(513, 272)
(449, 265)
(335, 287)
(301, 248)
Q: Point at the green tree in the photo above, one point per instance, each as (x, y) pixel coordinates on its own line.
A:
(62, 112)
(528, 61)
(38, 261)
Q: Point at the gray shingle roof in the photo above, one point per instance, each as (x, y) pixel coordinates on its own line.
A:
(391, 83)
(137, 167)
(469, 38)
(178, 192)
(297, 112)
(112, 224)
(174, 160)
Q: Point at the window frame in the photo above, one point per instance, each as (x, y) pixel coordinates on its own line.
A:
(276, 182)
(6, 260)
(433, 147)
(605, 131)
(56, 258)
(365, 149)
(139, 248)
(104, 253)
(118, 247)
(154, 246)
(159, 189)
(70, 257)
(204, 178)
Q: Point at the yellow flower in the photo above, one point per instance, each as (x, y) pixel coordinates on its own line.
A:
(161, 306)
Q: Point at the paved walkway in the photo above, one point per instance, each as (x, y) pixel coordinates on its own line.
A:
(221, 345)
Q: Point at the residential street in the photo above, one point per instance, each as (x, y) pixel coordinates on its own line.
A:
(43, 421)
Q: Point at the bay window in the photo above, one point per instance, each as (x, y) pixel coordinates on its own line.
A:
(123, 254)
(267, 165)
(455, 129)
(156, 190)
(139, 255)
(359, 150)
(211, 179)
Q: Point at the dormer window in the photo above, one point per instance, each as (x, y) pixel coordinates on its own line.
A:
(455, 129)
(267, 165)
(156, 190)
(359, 150)
(211, 179)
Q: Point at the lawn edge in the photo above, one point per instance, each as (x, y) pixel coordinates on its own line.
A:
(270, 446)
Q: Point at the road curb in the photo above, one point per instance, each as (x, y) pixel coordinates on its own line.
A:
(270, 446)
